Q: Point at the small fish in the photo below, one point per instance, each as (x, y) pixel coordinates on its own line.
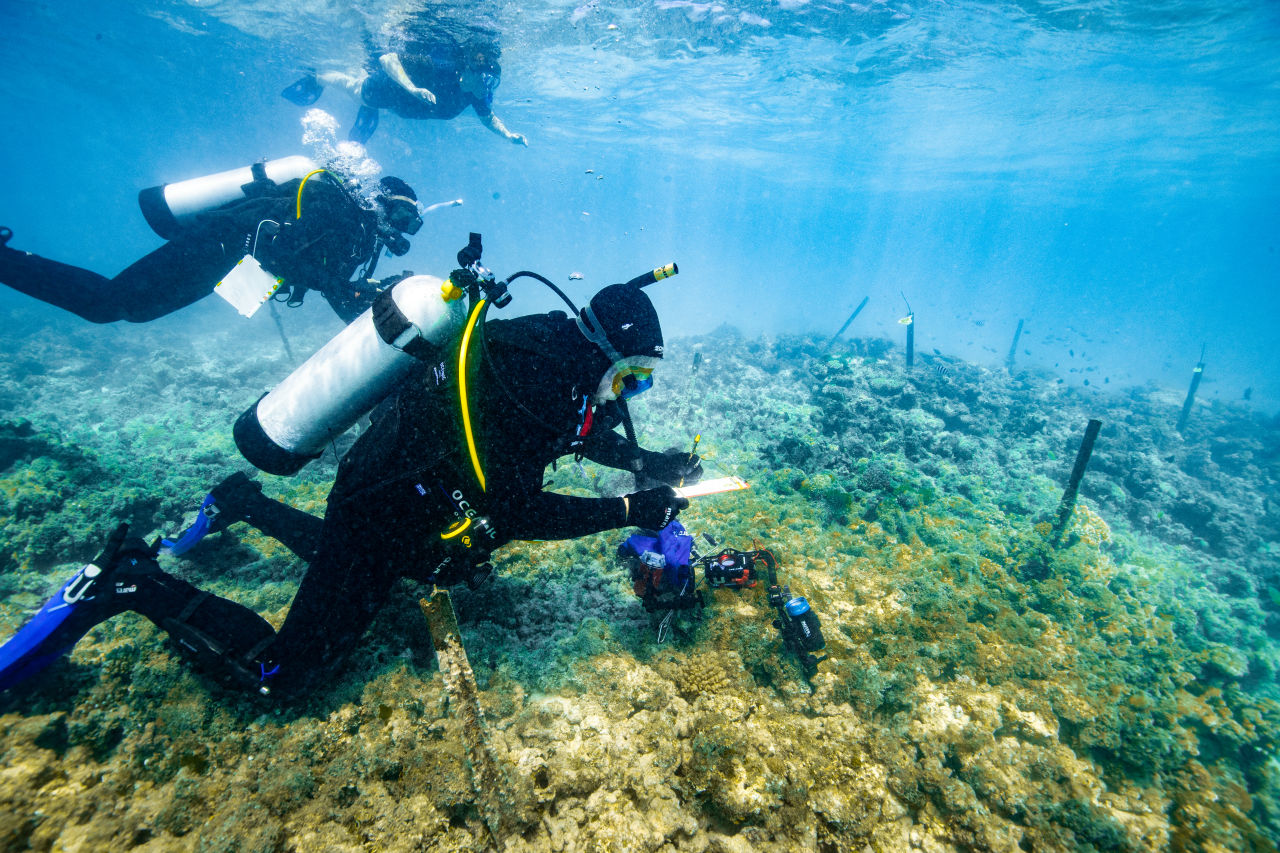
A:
(1027, 351)
(1071, 353)
(1086, 382)
(937, 351)
(1248, 393)
(575, 276)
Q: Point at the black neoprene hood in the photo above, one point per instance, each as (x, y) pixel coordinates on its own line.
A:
(629, 320)
(391, 185)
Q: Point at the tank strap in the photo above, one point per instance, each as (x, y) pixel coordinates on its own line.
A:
(391, 324)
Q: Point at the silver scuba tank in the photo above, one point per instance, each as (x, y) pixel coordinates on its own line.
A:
(419, 318)
(165, 207)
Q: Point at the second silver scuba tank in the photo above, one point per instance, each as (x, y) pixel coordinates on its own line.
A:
(419, 317)
(165, 207)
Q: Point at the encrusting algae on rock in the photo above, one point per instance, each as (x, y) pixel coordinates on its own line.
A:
(501, 796)
(983, 690)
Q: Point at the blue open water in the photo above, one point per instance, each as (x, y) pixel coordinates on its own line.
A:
(1106, 171)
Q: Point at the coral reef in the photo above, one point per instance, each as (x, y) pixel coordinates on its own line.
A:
(983, 690)
(500, 796)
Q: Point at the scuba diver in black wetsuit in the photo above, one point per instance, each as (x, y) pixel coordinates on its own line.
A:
(430, 77)
(412, 498)
(308, 231)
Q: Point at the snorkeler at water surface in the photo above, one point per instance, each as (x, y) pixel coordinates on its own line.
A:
(429, 78)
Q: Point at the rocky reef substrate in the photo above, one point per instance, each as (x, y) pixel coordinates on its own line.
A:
(983, 690)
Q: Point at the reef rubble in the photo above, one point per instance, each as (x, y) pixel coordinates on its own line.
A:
(983, 690)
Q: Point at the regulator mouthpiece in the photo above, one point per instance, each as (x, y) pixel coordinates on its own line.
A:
(396, 243)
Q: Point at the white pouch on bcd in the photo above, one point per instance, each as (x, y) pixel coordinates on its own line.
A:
(248, 286)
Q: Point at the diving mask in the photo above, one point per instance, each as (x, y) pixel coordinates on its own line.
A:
(626, 379)
(401, 214)
(399, 217)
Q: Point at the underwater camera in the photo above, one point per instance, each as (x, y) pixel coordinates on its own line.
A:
(664, 576)
(800, 626)
(729, 568)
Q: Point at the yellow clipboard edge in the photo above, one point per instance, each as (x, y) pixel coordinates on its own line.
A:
(713, 487)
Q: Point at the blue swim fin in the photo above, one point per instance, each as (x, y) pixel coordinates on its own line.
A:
(200, 528)
(82, 602)
(50, 634)
(366, 124)
(305, 92)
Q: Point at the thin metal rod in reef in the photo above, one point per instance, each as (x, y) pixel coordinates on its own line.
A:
(499, 799)
(1013, 348)
(1068, 504)
(910, 320)
(911, 342)
(852, 317)
(284, 339)
(1196, 376)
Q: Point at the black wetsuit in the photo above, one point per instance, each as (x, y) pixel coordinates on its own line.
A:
(409, 477)
(432, 67)
(321, 251)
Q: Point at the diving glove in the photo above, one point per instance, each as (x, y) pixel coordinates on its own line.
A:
(674, 467)
(654, 509)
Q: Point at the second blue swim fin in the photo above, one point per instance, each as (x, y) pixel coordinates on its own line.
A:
(305, 92)
(366, 124)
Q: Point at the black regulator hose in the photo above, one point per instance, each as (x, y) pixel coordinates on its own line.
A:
(527, 274)
(641, 280)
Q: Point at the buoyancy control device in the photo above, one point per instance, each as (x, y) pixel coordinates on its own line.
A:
(420, 318)
(166, 207)
(293, 423)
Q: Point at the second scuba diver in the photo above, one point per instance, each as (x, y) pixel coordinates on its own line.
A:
(430, 77)
(309, 231)
(411, 498)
